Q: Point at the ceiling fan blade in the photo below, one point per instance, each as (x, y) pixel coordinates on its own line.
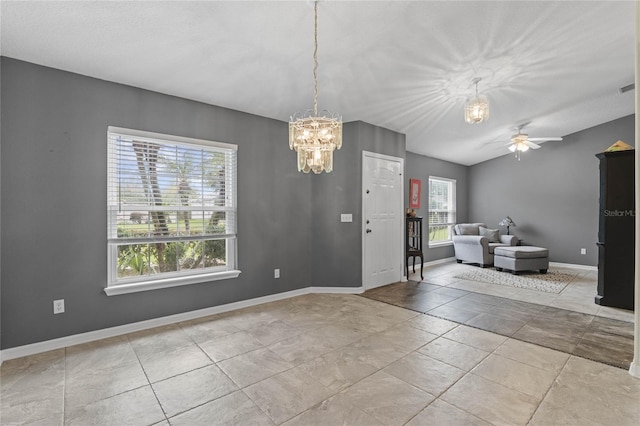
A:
(545, 139)
(532, 145)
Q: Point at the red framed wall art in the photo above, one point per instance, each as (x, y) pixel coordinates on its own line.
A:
(414, 193)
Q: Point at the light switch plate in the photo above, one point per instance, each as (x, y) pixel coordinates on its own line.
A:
(346, 217)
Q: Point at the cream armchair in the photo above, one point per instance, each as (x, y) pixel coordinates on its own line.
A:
(475, 243)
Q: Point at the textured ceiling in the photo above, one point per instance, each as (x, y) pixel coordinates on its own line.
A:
(403, 65)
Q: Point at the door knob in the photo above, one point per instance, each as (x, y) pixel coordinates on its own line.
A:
(368, 230)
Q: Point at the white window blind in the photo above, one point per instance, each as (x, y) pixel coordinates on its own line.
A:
(171, 206)
(442, 209)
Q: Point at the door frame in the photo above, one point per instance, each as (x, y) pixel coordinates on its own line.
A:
(400, 224)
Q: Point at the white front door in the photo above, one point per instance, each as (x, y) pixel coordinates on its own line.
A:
(382, 206)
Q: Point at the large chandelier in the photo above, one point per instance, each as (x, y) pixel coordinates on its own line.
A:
(315, 136)
(476, 110)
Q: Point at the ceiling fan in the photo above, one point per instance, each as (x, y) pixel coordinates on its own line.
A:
(521, 142)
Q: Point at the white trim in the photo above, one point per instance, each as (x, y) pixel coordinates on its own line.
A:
(440, 244)
(574, 266)
(432, 263)
(556, 264)
(454, 198)
(439, 261)
(336, 290)
(90, 336)
(383, 157)
(441, 178)
(117, 285)
(135, 287)
(142, 134)
(634, 368)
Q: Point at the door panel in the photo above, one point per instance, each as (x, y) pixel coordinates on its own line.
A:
(383, 220)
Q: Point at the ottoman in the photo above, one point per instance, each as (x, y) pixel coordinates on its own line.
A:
(521, 258)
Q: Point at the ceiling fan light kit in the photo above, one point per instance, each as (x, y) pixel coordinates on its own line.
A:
(521, 142)
(476, 110)
(520, 146)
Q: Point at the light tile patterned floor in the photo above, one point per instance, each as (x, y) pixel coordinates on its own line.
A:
(315, 360)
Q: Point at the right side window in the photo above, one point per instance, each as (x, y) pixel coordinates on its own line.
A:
(442, 210)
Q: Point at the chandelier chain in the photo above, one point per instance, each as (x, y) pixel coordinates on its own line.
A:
(315, 60)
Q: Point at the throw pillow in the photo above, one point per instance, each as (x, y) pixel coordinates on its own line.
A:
(468, 229)
(492, 234)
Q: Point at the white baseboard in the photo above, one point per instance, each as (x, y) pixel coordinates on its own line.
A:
(338, 290)
(573, 265)
(90, 336)
(63, 342)
(439, 261)
(556, 264)
(431, 263)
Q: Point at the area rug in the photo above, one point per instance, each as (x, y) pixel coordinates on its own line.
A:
(551, 282)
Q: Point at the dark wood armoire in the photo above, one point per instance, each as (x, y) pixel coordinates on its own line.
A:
(616, 231)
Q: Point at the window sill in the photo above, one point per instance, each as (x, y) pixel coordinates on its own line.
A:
(169, 282)
(441, 244)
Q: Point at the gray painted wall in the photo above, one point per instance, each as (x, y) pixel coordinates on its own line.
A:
(0, 212)
(421, 167)
(54, 202)
(551, 194)
(336, 246)
(53, 198)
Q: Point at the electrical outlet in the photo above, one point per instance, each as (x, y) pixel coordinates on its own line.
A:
(583, 251)
(276, 273)
(58, 306)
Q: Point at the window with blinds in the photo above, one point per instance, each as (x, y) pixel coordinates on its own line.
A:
(442, 210)
(171, 209)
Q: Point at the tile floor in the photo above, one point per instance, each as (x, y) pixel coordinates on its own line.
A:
(587, 335)
(316, 360)
(578, 296)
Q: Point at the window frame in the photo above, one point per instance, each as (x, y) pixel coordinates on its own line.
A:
(117, 286)
(451, 213)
